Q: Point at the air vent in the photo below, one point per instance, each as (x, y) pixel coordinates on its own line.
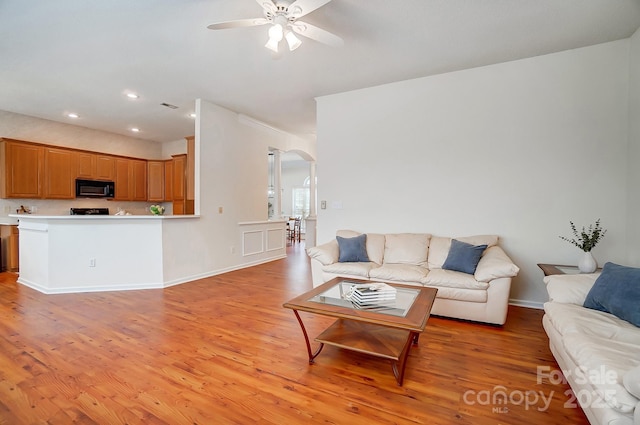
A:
(168, 105)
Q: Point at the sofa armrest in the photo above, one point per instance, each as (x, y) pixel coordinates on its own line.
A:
(570, 288)
(495, 264)
(326, 254)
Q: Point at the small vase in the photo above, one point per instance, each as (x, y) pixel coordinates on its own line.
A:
(587, 263)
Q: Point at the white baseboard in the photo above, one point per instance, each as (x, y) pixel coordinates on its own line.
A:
(527, 304)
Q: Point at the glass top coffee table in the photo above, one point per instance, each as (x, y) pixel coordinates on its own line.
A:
(382, 328)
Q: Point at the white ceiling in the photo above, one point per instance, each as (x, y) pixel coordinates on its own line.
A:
(83, 55)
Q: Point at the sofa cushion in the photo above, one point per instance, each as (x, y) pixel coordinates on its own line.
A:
(631, 381)
(352, 269)
(453, 279)
(570, 288)
(406, 248)
(603, 363)
(568, 318)
(375, 247)
(617, 291)
(439, 247)
(495, 264)
(399, 272)
(375, 244)
(460, 294)
(352, 250)
(463, 257)
(599, 343)
(326, 253)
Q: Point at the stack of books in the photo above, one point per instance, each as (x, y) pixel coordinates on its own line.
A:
(373, 295)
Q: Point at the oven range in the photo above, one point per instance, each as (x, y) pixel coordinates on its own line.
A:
(89, 211)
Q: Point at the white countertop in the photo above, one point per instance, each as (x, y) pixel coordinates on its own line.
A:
(16, 217)
(8, 221)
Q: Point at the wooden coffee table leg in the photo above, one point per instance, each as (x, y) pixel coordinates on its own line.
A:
(399, 366)
(306, 339)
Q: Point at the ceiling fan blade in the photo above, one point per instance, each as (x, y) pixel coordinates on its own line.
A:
(267, 5)
(317, 34)
(301, 7)
(252, 22)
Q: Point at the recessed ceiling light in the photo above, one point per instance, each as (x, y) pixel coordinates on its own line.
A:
(192, 115)
(132, 96)
(135, 130)
(72, 115)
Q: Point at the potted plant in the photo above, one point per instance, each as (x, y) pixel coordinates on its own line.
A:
(586, 240)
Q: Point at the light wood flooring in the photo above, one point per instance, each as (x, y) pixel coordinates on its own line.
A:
(222, 350)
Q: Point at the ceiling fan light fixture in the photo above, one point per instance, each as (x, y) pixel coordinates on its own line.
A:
(275, 36)
(276, 32)
(272, 45)
(293, 41)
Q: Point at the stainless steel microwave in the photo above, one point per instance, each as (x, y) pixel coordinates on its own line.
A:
(94, 189)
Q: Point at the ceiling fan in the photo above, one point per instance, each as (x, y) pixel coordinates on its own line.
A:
(283, 16)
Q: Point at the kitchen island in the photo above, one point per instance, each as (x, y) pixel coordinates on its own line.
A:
(60, 254)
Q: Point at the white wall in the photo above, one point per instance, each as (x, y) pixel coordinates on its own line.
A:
(231, 173)
(516, 149)
(633, 159)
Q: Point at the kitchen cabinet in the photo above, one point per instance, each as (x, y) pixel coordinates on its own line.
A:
(105, 167)
(59, 173)
(33, 170)
(21, 167)
(86, 165)
(179, 177)
(138, 179)
(168, 180)
(181, 205)
(94, 166)
(131, 179)
(183, 181)
(190, 168)
(155, 181)
(121, 180)
(13, 259)
(10, 235)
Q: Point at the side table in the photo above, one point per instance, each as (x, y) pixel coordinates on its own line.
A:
(549, 269)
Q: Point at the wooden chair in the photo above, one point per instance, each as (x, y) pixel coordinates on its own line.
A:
(294, 234)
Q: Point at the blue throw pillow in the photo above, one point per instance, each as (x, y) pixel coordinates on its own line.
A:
(463, 257)
(353, 250)
(617, 291)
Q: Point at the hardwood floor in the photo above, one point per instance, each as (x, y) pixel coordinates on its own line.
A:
(222, 350)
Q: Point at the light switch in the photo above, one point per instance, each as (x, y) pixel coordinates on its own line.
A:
(323, 205)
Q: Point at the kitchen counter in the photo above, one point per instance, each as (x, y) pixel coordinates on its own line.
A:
(8, 221)
(80, 253)
(16, 217)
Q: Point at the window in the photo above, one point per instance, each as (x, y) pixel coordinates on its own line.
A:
(300, 197)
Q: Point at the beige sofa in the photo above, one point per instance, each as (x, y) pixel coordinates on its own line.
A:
(417, 259)
(598, 353)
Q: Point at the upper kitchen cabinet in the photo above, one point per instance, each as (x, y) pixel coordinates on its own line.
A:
(59, 173)
(138, 179)
(168, 180)
(122, 180)
(131, 179)
(155, 181)
(21, 166)
(105, 167)
(94, 166)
